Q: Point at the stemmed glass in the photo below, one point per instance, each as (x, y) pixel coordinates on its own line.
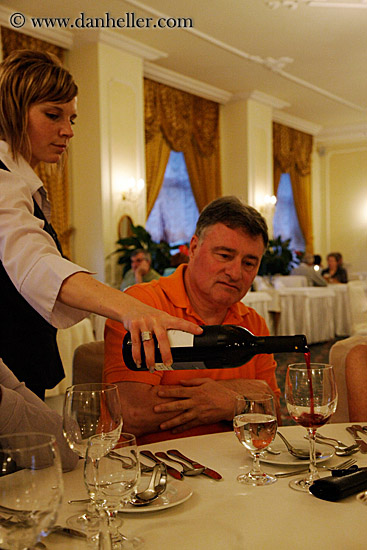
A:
(90, 409)
(31, 488)
(311, 397)
(255, 425)
(111, 477)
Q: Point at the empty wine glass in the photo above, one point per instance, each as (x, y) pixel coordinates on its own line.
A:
(255, 425)
(31, 488)
(110, 478)
(90, 409)
(311, 397)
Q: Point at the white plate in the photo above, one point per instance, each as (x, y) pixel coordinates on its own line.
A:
(286, 459)
(176, 493)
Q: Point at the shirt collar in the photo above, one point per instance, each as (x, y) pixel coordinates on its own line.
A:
(20, 167)
(174, 287)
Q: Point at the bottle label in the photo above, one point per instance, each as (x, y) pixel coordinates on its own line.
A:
(180, 339)
(194, 365)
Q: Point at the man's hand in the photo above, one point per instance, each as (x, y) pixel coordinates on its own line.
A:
(197, 401)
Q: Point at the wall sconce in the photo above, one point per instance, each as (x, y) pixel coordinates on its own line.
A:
(131, 189)
(267, 206)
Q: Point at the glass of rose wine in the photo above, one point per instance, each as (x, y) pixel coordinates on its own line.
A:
(255, 425)
(311, 396)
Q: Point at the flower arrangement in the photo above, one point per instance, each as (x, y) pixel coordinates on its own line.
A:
(278, 258)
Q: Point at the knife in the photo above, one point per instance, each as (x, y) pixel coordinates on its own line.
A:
(207, 471)
(354, 431)
(171, 471)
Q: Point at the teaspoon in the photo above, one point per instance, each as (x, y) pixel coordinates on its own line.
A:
(302, 454)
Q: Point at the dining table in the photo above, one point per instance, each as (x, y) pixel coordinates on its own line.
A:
(202, 513)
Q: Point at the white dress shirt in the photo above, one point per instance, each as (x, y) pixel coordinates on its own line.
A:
(22, 411)
(29, 255)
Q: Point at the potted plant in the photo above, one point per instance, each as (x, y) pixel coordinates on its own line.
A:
(141, 238)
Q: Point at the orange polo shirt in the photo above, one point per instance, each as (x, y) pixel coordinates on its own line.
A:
(169, 294)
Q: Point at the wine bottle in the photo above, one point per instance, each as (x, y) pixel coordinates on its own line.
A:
(218, 347)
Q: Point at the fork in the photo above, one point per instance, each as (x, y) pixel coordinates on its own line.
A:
(341, 466)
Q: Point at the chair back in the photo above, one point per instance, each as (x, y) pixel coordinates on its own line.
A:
(358, 306)
(88, 362)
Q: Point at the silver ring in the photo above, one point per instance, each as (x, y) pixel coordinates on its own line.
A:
(146, 336)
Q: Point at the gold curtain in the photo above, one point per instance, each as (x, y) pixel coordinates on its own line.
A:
(182, 122)
(55, 180)
(292, 154)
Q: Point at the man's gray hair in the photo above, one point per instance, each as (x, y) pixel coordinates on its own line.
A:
(231, 212)
(147, 255)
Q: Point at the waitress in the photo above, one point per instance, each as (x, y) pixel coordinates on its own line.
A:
(40, 290)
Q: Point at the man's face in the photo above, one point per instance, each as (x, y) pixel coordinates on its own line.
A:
(223, 264)
(137, 260)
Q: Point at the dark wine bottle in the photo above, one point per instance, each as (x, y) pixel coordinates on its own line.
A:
(218, 347)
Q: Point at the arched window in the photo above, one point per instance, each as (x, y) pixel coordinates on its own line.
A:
(285, 221)
(175, 213)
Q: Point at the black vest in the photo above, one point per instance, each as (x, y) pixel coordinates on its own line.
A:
(27, 341)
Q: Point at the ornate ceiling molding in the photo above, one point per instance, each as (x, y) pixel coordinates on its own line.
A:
(294, 4)
(274, 65)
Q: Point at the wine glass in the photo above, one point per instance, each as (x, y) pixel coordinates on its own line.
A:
(311, 397)
(110, 477)
(90, 409)
(31, 488)
(255, 425)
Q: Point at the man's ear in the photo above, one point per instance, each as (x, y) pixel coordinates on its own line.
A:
(194, 243)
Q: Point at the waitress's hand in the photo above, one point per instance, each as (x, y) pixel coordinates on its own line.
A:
(140, 318)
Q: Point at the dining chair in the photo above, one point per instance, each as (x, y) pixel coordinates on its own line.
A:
(88, 362)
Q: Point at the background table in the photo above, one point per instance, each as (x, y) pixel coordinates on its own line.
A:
(226, 515)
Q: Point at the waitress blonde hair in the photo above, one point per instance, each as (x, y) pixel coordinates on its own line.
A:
(28, 77)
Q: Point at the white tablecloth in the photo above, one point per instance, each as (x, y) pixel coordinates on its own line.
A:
(225, 515)
(260, 301)
(342, 314)
(68, 340)
(308, 311)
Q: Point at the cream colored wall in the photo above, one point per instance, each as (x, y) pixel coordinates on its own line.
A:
(108, 149)
(342, 196)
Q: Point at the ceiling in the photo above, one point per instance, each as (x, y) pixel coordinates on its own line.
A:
(306, 58)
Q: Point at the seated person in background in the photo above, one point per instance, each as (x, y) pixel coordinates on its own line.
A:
(317, 262)
(225, 254)
(22, 411)
(141, 270)
(335, 272)
(306, 269)
(356, 380)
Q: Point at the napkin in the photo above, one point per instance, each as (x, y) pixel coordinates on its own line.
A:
(335, 488)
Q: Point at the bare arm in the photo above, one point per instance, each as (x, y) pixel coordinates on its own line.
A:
(356, 379)
(82, 291)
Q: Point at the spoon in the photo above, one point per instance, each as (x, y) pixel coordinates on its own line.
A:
(157, 485)
(186, 470)
(302, 454)
(339, 451)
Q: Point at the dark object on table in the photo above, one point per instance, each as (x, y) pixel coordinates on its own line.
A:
(335, 488)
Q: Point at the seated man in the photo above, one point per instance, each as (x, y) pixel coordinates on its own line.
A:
(305, 268)
(22, 411)
(225, 254)
(141, 270)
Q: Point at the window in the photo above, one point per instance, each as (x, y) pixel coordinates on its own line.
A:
(285, 221)
(175, 213)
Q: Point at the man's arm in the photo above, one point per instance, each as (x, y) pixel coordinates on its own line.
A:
(204, 401)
